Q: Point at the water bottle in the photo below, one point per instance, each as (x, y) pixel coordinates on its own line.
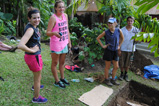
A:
(75, 80)
(89, 79)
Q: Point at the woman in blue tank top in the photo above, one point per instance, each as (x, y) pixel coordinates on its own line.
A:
(113, 40)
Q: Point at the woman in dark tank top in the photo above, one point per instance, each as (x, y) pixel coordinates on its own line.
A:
(113, 40)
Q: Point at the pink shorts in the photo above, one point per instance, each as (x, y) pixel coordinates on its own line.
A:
(34, 62)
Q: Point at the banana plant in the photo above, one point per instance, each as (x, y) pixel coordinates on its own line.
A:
(149, 32)
(149, 26)
(73, 6)
(145, 5)
(1, 26)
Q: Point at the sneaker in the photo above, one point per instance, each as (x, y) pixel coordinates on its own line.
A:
(126, 78)
(108, 83)
(41, 87)
(121, 77)
(65, 81)
(59, 84)
(114, 82)
(40, 99)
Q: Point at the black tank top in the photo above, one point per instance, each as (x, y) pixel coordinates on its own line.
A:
(34, 40)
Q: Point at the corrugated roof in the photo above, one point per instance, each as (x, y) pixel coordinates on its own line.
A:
(92, 7)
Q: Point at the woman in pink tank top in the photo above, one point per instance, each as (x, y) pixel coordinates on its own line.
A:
(59, 39)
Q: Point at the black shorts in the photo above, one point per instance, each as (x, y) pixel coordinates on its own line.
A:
(110, 55)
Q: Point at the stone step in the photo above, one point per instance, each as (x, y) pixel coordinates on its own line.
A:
(143, 47)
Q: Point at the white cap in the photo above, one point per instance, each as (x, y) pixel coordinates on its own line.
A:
(112, 20)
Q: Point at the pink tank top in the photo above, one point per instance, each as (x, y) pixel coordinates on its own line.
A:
(58, 44)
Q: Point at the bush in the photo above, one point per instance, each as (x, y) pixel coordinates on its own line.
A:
(86, 38)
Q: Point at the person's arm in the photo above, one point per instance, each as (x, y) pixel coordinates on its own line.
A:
(24, 40)
(99, 41)
(121, 39)
(69, 44)
(51, 24)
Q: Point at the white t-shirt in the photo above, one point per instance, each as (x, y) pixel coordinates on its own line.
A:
(127, 44)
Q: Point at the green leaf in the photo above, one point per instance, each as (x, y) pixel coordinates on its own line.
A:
(81, 56)
(148, 38)
(138, 3)
(157, 7)
(149, 6)
(6, 16)
(140, 38)
(153, 42)
(156, 53)
(141, 8)
(153, 48)
(90, 60)
(86, 49)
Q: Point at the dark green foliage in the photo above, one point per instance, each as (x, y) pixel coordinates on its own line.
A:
(149, 31)
(86, 37)
(7, 27)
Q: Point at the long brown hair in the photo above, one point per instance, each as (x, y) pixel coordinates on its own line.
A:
(56, 4)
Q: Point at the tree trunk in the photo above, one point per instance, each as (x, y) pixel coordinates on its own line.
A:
(68, 3)
(17, 19)
(3, 6)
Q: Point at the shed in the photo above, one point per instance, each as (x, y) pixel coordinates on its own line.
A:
(92, 7)
(88, 15)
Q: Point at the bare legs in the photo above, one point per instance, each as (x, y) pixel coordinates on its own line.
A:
(37, 79)
(55, 59)
(107, 67)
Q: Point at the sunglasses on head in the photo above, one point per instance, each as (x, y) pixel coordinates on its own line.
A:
(110, 23)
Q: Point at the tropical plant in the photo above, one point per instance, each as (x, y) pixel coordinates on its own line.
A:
(145, 5)
(8, 28)
(149, 26)
(92, 51)
(1, 26)
(119, 9)
(73, 6)
(150, 31)
(85, 38)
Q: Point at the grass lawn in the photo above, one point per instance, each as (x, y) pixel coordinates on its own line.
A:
(16, 89)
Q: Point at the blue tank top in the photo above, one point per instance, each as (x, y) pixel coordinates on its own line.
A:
(112, 39)
(34, 40)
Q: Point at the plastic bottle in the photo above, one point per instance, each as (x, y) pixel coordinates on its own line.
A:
(75, 80)
(89, 79)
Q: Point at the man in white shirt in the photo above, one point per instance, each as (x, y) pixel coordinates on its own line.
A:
(127, 47)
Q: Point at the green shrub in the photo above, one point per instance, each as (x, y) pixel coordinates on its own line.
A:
(85, 37)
